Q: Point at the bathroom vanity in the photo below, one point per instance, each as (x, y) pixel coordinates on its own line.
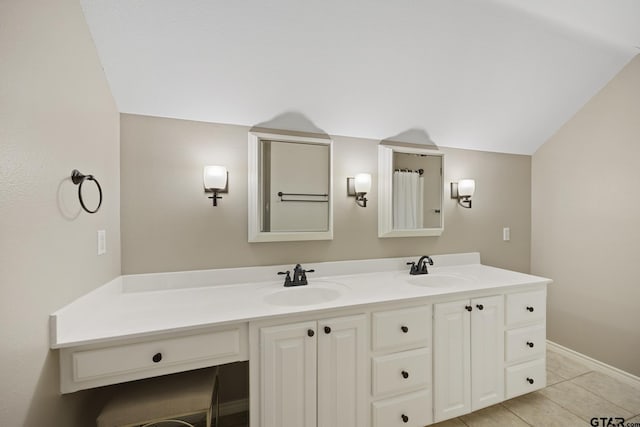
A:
(363, 344)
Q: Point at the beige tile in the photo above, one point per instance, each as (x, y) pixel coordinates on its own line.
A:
(454, 422)
(492, 416)
(632, 421)
(537, 410)
(553, 378)
(609, 388)
(563, 366)
(582, 402)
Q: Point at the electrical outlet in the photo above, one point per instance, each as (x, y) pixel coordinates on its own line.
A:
(506, 234)
(102, 242)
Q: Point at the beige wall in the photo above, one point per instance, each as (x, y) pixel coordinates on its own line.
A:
(586, 225)
(168, 224)
(56, 114)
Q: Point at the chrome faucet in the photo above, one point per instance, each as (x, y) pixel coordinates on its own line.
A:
(299, 276)
(421, 266)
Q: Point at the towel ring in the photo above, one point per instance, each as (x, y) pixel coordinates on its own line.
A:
(78, 179)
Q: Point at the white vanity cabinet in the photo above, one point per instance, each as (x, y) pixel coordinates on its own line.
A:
(367, 345)
(111, 363)
(312, 373)
(468, 355)
(525, 340)
(401, 384)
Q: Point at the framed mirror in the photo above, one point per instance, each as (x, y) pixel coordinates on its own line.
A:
(410, 187)
(290, 182)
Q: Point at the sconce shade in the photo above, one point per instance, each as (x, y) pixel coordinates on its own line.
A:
(363, 183)
(358, 187)
(215, 177)
(466, 187)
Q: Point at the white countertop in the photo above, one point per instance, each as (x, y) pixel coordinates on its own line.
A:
(148, 304)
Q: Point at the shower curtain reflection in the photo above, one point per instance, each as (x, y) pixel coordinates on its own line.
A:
(408, 190)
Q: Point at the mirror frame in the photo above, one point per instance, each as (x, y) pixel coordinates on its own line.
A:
(254, 213)
(385, 196)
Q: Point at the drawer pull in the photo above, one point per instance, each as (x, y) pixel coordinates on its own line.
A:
(405, 419)
(530, 309)
(157, 357)
(310, 332)
(480, 306)
(468, 307)
(405, 374)
(405, 329)
(530, 344)
(530, 380)
(327, 330)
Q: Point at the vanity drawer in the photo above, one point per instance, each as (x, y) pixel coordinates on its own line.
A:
(402, 329)
(526, 377)
(157, 355)
(525, 343)
(401, 371)
(412, 410)
(526, 307)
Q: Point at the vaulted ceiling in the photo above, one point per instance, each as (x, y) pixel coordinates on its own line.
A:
(495, 75)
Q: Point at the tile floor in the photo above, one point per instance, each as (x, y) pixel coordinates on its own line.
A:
(574, 394)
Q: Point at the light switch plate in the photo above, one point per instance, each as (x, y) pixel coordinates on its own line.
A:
(102, 242)
(506, 234)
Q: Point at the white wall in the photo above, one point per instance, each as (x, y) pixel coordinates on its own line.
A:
(586, 225)
(56, 114)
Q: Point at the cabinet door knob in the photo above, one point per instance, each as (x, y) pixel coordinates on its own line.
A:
(310, 332)
(157, 357)
(327, 330)
(480, 306)
(530, 344)
(405, 419)
(530, 309)
(405, 329)
(468, 307)
(530, 380)
(405, 374)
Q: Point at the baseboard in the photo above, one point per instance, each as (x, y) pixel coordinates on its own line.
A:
(595, 365)
(233, 407)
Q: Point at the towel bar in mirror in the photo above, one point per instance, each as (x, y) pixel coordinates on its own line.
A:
(290, 182)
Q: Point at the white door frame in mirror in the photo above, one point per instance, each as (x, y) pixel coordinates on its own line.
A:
(255, 230)
(385, 190)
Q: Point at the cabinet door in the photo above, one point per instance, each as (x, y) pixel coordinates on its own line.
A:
(288, 375)
(342, 372)
(487, 351)
(451, 349)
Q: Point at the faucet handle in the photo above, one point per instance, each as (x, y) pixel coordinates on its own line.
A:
(413, 267)
(287, 279)
(303, 276)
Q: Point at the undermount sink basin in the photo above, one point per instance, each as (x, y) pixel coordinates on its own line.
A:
(317, 293)
(438, 280)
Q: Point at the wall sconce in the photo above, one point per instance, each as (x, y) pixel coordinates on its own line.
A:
(359, 187)
(215, 181)
(463, 190)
